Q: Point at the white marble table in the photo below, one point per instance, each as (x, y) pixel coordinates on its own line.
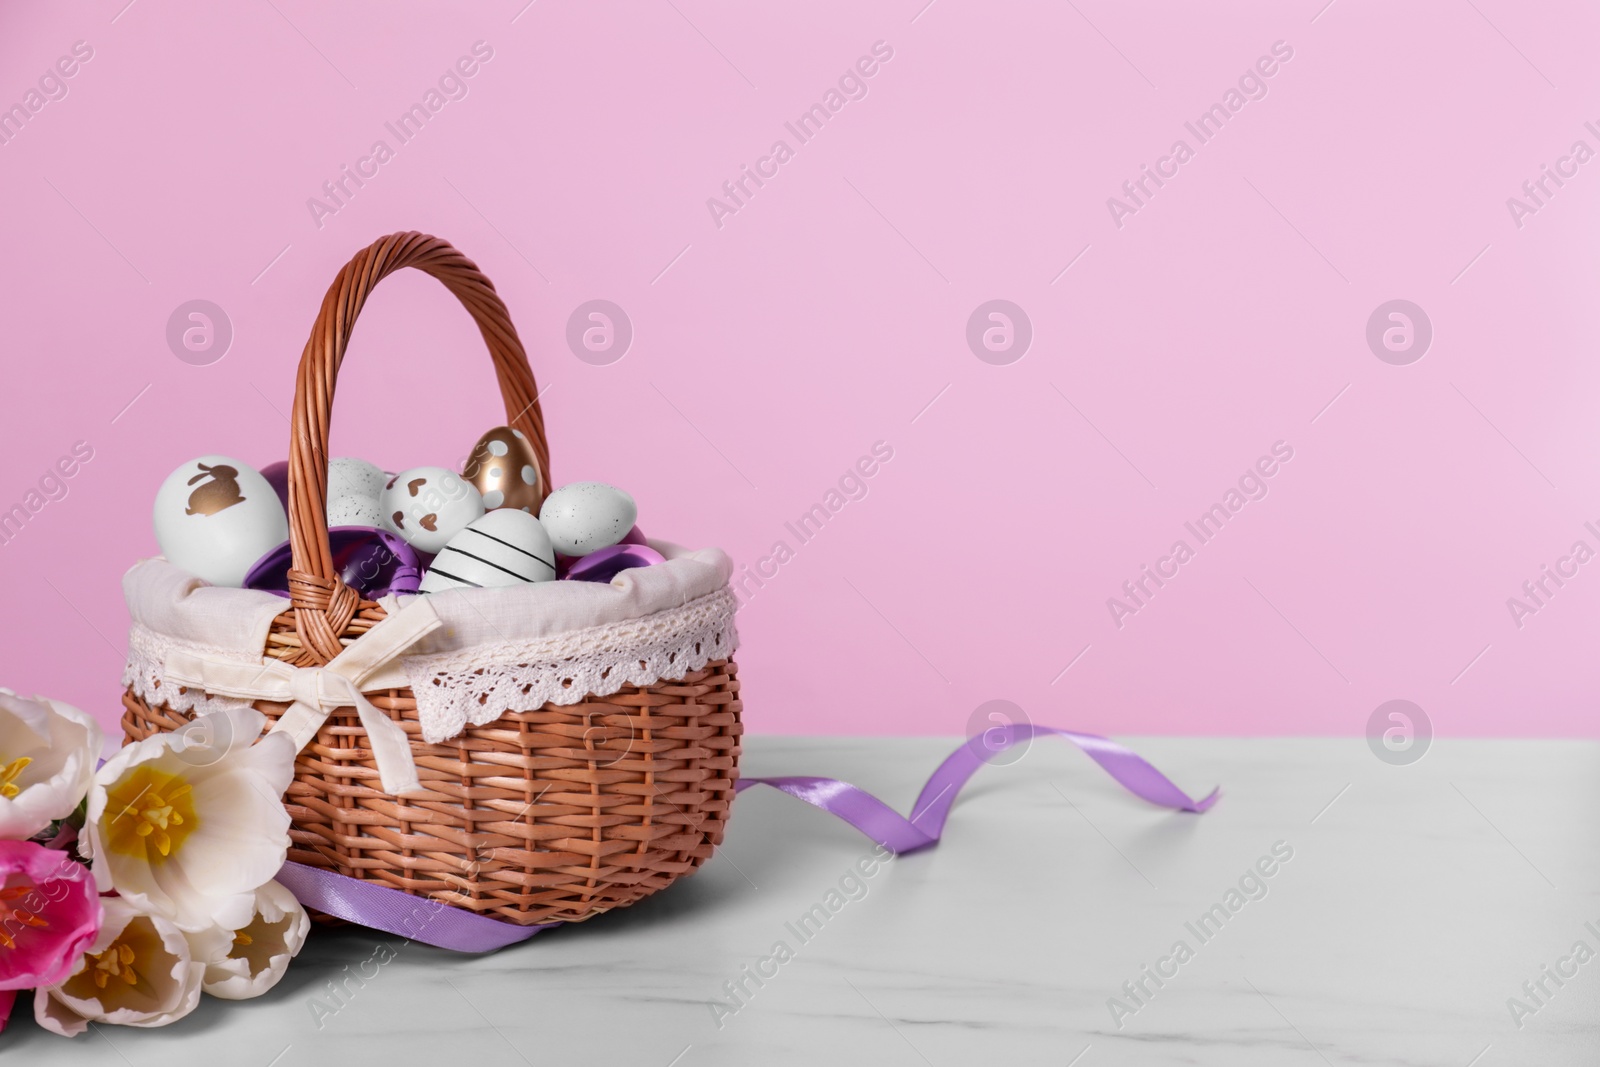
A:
(1418, 899)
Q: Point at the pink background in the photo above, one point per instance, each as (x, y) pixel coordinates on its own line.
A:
(831, 310)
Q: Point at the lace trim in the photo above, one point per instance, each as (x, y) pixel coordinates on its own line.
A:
(145, 673)
(477, 685)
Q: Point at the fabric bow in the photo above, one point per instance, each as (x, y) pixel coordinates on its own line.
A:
(314, 692)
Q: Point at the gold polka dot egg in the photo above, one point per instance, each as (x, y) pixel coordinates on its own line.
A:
(504, 470)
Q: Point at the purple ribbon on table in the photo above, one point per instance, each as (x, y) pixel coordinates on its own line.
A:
(434, 923)
(392, 911)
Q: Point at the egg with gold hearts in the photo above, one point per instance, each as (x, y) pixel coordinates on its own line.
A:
(427, 506)
(503, 468)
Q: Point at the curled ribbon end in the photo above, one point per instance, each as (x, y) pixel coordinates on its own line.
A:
(394, 910)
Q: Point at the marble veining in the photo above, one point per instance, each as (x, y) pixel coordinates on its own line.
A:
(1418, 900)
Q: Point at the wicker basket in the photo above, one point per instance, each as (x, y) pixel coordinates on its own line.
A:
(552, 814)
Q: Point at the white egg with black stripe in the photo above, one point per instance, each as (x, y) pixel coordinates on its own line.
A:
(504, 547)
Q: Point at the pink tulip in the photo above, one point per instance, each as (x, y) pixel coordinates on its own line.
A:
(49, 915)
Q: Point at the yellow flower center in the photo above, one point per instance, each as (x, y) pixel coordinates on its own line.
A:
(12, 918)
(115, 962)
(149, 813)
(121, 975)
(257, 943)
(8, 776)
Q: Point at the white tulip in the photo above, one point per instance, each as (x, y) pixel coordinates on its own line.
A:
(138, 972)
(246, 962)
(189, 825)
(47, 755)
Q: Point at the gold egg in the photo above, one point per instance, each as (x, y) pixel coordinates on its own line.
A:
(502, 467)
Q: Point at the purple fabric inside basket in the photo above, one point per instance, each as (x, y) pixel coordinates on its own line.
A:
(373, 562)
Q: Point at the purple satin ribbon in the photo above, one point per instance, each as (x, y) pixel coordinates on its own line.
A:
(433, 923)
(392, 911)
(888, 827)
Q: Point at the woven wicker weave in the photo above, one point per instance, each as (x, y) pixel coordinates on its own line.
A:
(552, 814)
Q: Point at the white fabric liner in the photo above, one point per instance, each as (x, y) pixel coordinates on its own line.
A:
(499, 649)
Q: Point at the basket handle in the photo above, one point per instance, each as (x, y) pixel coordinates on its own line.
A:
(323, 605)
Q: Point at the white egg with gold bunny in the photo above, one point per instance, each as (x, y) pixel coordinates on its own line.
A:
(215, 516)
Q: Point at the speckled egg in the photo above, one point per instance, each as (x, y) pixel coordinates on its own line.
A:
(354, 486)
(215, 516)
(352, 477)
(354, 511)
(504, 547)
(502, 467)
(427, 506)
(587, 516)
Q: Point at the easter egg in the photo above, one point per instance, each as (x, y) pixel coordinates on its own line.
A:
(587, 516)
(427, 506)
(351, 477)
(354, 511)
(503, 469)
(374, 563)
(504, 547)
(354, 486)
(215, 516)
